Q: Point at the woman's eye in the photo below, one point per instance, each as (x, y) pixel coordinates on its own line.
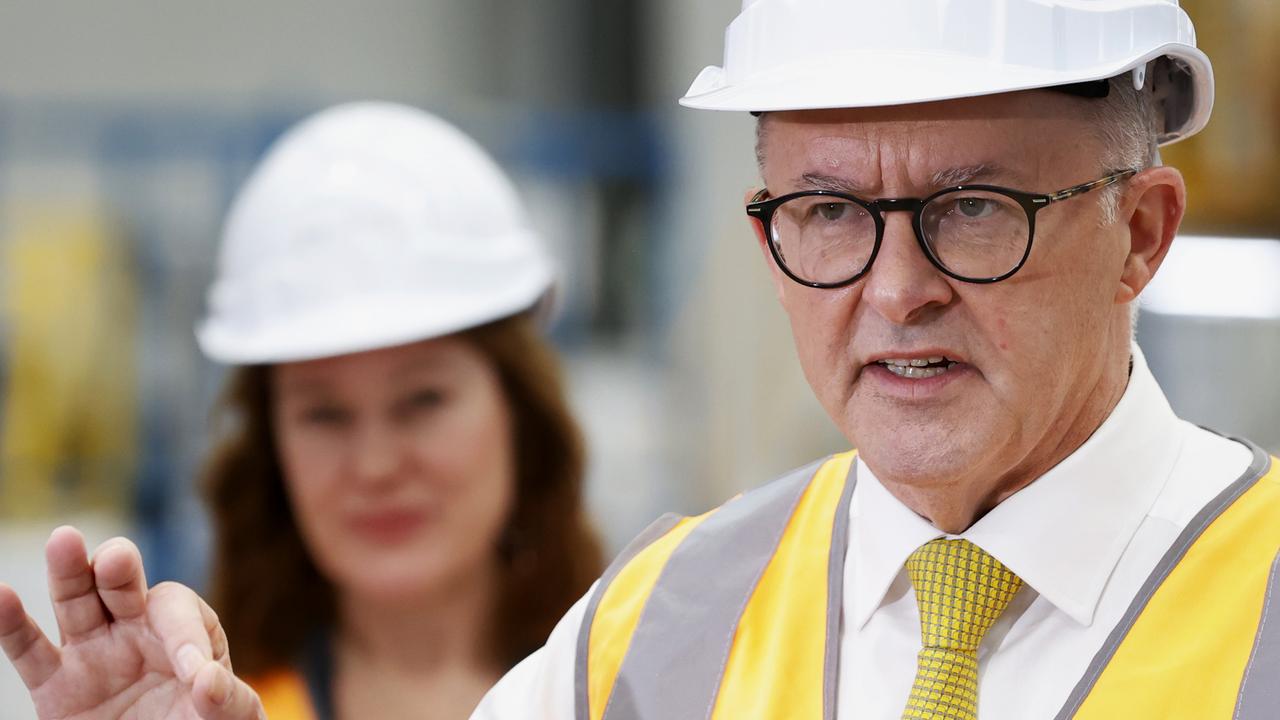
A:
(422, 400)
(426, 398)
(325, 416)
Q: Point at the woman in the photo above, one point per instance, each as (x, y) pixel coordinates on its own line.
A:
(397, 500)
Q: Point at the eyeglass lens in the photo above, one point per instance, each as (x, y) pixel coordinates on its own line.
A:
(972, 233)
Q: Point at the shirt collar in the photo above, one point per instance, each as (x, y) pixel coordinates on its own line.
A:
(1063, 534)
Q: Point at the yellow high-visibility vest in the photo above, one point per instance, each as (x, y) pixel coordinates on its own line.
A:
(735, 614)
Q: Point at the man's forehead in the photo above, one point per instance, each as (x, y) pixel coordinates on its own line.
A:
(999, 139)
(1027, 104)
(929, 157)
(944, 176)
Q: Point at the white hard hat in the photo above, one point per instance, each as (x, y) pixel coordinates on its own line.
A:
(369, 225)
(812, 54)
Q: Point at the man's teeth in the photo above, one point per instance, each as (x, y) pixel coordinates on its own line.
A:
(918, 368)
(915, 362)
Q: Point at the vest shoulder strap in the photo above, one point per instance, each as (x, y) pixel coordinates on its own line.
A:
(660, 631)
(1196, 641)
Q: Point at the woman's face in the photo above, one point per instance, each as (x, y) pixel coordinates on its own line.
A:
(398, 463)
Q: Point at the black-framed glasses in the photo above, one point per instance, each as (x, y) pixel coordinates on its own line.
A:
(973, 233)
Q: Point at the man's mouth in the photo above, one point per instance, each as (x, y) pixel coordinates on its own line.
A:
(918, 368)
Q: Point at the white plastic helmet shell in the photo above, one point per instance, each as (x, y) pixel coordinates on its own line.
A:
(812, 54)
(369, 225)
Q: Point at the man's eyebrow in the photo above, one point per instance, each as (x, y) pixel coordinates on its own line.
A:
(818, 181)
(950, 177)
(966, 174)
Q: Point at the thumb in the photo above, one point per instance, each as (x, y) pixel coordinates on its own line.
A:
(219, 695)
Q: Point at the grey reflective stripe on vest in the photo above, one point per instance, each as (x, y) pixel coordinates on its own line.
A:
(1257, 468)
(651, 534)
(760, 515)
(1260, 689)
(678, 652)
(835, 594)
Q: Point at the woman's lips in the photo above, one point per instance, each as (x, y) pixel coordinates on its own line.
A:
(387, 526)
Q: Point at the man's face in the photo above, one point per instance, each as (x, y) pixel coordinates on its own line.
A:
(1030, 352)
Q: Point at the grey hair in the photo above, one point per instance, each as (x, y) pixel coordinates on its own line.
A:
(1127, 127)
(760, 133)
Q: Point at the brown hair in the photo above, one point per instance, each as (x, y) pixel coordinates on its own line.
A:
(268, 593)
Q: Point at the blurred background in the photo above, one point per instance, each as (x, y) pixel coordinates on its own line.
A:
(125, 127)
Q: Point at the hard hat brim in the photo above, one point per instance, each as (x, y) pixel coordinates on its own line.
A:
(374, 323)
(879, 79)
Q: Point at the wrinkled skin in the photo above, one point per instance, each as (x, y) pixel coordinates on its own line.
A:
(1044, 354)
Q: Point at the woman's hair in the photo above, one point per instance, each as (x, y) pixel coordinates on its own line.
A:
(269, 594)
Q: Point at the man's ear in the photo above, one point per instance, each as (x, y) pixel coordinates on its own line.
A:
(779, 280)
(1153, 205)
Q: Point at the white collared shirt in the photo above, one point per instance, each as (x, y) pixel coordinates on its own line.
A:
(1083, 537)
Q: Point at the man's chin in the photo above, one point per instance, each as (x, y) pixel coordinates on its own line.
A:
(919, 459)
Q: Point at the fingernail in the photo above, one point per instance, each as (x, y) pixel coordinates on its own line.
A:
(190, 660)
(220, 691)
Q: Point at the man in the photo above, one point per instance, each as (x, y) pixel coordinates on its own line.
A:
(961, 203)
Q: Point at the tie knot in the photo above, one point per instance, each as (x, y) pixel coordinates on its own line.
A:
(961, 590)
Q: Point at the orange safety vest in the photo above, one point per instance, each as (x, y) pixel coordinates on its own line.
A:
(736, 614)
(284, 696)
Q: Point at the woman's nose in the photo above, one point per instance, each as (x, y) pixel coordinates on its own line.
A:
(376, 454)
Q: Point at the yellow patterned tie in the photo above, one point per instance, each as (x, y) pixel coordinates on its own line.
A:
(961, 590)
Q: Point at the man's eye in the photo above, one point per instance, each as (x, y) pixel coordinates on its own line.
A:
(832, 211)
(974, 208)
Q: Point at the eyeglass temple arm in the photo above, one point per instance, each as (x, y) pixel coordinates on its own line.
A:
(1082, 189)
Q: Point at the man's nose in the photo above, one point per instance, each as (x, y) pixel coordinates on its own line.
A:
(903, 285)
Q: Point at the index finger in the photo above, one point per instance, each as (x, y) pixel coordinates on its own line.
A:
(185, 626)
